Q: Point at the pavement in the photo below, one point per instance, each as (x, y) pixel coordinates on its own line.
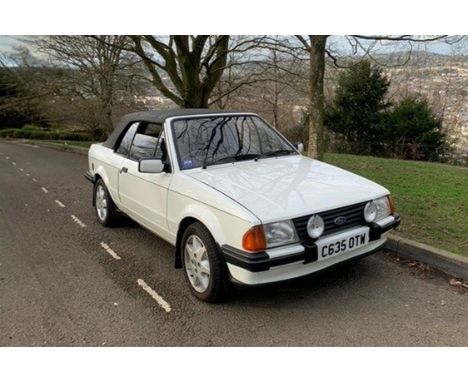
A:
(67, 281)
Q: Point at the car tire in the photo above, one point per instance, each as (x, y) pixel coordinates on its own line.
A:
(106, 210)
(195, 266)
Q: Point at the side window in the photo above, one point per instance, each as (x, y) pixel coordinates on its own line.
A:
(145, 141)
(124, 146)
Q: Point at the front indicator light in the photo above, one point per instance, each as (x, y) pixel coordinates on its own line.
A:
(254, 239)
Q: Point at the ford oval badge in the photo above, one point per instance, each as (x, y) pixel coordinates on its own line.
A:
(340, 220)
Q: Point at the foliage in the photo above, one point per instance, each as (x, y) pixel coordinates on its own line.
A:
(15, 111)
(413, 130)
(36, 133)
(357, 110)
(432, 198)
(369, 124)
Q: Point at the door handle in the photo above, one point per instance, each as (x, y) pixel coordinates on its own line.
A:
(123, 169)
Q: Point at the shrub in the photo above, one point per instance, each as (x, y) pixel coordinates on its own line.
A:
(414, 132)
(32, 128)
(69, 136)
(40, 135)
(358, 107)
(9, 132)
(33, 132)
(24, 134)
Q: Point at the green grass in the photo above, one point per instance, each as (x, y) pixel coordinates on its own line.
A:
(431, 198)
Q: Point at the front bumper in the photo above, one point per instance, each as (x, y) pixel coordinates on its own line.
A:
(296, 260)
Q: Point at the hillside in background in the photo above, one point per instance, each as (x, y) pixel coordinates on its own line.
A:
(444, 81)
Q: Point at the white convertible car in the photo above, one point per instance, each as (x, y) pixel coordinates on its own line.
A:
(236, 199)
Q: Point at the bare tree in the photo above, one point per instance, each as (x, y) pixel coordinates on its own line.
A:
(21, 86)
(273, 87)
(188, 69)
(96, 72)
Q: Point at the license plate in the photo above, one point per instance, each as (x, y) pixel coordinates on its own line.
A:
(340, 244)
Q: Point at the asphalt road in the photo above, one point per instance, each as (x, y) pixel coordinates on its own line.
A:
(60, 287)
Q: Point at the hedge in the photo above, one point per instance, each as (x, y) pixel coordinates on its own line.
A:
(30, 133)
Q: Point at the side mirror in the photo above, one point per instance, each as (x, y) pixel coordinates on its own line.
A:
(300, 147)
(151, 166)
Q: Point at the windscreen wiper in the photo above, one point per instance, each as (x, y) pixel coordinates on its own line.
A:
(275, 153)
(226, 159)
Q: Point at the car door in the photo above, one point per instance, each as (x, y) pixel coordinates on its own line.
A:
(143, 195)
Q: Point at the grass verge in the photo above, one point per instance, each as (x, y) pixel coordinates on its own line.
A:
(431, 198)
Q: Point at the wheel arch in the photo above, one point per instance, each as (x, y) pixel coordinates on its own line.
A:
(209, 222)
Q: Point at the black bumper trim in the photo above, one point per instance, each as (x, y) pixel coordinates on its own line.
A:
(250, 262)
(332, 266)
(88, 176)
(376, 230)
(260, 261)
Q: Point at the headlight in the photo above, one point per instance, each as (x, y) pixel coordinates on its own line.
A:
(315, 226)
(378, 209)
(280, 233)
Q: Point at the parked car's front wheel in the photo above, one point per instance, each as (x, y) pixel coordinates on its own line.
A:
(106, 210)
(203, 266)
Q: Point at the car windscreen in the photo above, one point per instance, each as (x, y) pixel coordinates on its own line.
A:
(205, 141)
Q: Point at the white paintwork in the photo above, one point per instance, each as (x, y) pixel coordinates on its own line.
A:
(46, 191)
(231, 198)
(287, 186)
(162, 303)
(152, 166)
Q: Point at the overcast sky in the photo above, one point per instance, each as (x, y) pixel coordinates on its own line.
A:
(339, 43)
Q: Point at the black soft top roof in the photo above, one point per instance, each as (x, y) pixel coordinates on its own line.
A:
(156, 116)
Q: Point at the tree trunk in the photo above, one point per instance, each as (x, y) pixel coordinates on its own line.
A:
(316, 98)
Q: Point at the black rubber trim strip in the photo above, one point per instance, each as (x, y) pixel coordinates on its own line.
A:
(376, 230)
(260, 261)
(88, 176)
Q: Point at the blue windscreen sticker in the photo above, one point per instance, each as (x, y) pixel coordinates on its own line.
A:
(187, 164)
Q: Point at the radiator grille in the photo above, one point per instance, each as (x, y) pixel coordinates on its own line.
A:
(354, 215)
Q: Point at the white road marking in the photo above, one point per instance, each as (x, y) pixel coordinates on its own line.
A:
(7, 157)
(162, 303)
(28, 174)
(21, 169)
(60, 203)
(78, 221)
(110, 251)
(45, 190)
(34, 180)
(13, 163)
